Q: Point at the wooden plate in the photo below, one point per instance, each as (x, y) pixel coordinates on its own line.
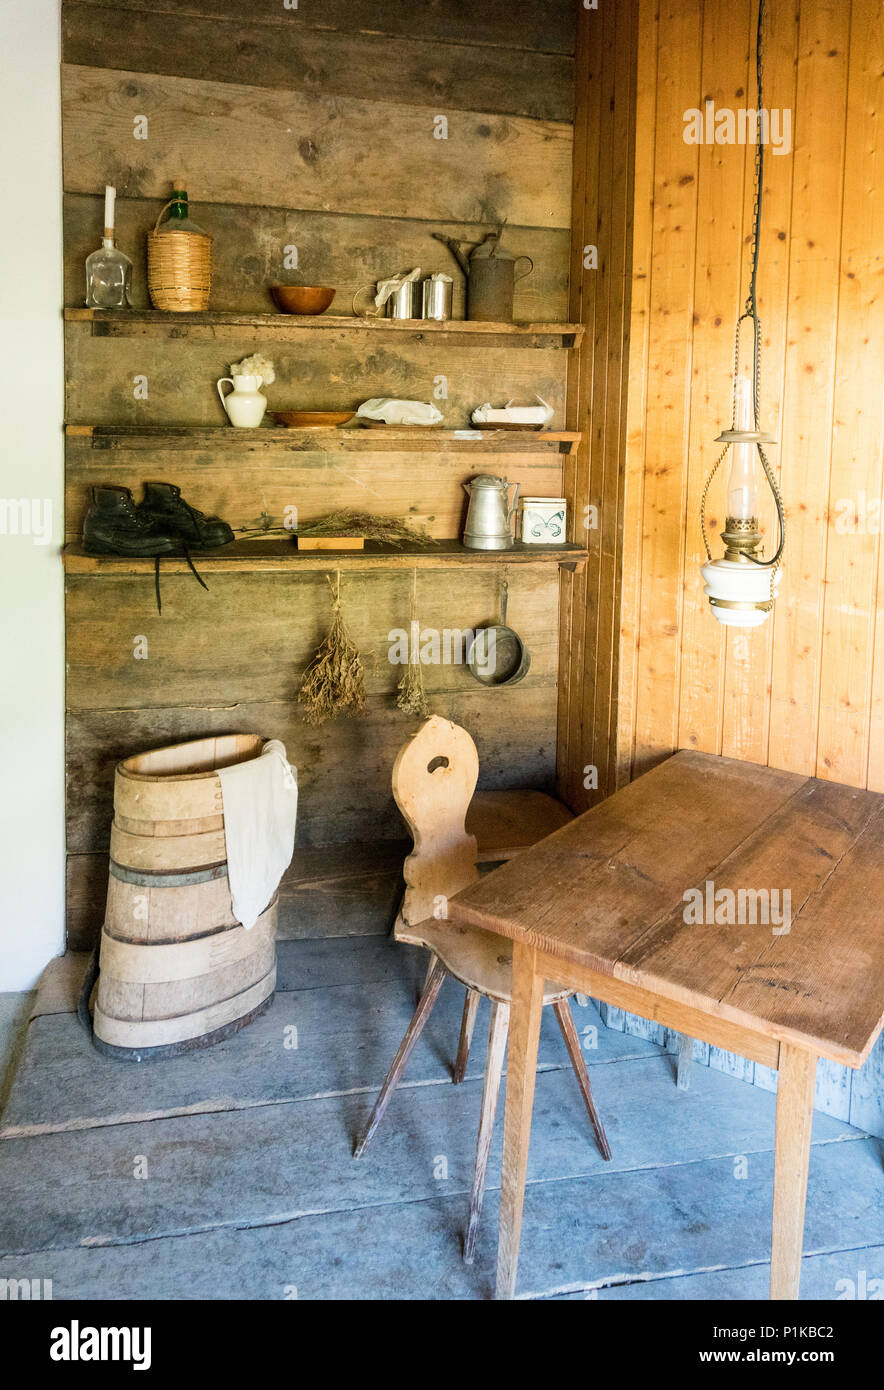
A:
(509, 425)
(312, 419)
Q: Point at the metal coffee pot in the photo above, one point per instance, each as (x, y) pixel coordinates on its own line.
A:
(489, 515)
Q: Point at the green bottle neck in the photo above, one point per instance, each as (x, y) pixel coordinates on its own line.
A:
(178, 210)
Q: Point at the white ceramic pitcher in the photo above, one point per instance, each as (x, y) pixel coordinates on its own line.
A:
(245, 405)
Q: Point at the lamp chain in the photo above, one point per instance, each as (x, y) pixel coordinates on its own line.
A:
(750, 311)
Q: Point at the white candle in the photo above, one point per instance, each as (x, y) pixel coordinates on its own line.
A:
(110, 195)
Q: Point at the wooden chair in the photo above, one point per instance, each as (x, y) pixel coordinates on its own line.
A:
(434, 779)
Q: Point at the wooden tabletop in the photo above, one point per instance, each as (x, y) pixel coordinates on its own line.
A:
(608, 892)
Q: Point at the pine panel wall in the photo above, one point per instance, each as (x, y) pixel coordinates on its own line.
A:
(310, 126)
(806, 691)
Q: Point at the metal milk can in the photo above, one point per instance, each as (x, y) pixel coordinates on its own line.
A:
(489, 514)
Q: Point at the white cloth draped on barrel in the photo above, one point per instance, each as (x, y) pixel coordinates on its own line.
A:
(260, 810)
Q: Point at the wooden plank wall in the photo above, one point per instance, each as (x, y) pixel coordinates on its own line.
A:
(601, 252)
(310, 127)
(806, 691)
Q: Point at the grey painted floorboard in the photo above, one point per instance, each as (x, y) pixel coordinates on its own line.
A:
(251, 1191)
(674, 1225)
(846, 1274)
(275, 1162)
(347, 1036)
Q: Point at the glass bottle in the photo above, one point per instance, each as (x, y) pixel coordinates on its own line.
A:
(108, 271)
(178, 218)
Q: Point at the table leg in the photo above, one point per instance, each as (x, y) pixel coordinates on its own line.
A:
(795, 1090)
(521, 1068)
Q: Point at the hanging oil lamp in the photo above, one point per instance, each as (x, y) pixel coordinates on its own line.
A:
(741, 586)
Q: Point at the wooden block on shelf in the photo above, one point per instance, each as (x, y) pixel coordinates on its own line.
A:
(331, 542)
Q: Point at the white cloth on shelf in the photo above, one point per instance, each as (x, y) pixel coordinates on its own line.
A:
(260, 809)
(395, 412)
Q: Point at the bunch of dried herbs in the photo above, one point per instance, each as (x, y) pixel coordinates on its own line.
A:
(334, 682)
(389, 529)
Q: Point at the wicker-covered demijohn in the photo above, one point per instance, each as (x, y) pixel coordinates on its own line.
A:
(179, 268)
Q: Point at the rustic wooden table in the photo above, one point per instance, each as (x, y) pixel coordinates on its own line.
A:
(604, 906)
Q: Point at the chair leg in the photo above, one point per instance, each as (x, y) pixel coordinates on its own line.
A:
(470, 1007)
(433, 984)
(430, 963)
(497, 1031)
(572, 1042)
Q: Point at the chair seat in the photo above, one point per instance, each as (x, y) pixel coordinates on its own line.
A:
(505, 823)
(481, 960)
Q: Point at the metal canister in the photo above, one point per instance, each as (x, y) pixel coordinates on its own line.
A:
(437, 299)
(406, 302)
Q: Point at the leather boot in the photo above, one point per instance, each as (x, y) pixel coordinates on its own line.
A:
(164, 506)
(114, 526)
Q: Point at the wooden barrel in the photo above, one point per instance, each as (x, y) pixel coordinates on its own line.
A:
(177, 969)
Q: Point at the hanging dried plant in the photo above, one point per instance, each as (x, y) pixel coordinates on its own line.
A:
(334, 681)
(412, 697)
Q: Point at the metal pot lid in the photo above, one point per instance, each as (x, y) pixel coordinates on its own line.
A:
(488, 480)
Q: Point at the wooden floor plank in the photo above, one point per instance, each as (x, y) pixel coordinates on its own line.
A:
(663, 1230)
(275, 1162)
(347, 1036)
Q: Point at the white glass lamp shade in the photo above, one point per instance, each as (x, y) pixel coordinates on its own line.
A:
(739, 593)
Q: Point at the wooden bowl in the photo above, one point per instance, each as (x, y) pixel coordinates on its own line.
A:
(312, 419)
(302, 299)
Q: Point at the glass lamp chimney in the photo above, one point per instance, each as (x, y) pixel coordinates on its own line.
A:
(743, 482)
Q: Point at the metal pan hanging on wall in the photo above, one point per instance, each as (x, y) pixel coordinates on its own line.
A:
(498, 656)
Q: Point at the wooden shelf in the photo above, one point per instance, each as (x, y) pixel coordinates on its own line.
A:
(280, 554)
(134, 323)
(346, 439)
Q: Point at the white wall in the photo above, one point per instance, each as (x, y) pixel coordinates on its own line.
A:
(31, 468)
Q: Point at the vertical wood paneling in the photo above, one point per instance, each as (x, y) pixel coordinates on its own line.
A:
(806, 691)
(806, 449)
(595, 668)
(601, 217)
(747, 678)
(646, 64)
(717, 284)
(849, 612)
(611, 495)
(582, 303)
(867, 1092)
(667, 423)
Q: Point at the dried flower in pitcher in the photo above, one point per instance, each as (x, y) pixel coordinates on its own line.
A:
(256, 365)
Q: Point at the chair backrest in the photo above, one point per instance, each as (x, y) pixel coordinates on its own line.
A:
(434, 778)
